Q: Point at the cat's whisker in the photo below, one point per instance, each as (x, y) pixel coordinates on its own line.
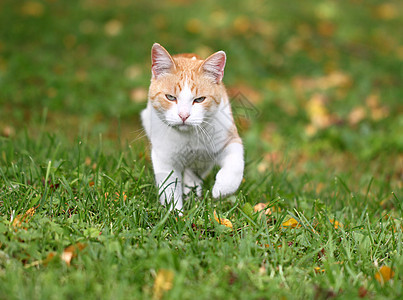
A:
(141, 133)
(209, 140)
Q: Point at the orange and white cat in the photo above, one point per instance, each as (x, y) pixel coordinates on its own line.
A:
(189, 123)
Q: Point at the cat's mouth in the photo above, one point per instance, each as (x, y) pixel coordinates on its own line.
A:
(183, 127)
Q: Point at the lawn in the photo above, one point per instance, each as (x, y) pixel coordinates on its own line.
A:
(316, 89)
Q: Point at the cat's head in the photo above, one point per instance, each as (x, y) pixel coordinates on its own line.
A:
(186, 90)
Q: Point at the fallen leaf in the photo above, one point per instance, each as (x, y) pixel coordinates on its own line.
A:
(223, 221)
(123, 195)
(194, 26)
(113, 27)
(248, 92)
(326, 28)
(32, 8)
(242, 24)
(138, 95)
(24, 218)
(8, 131)
(71, 251)
(387, 11)
(384, 274)
(291, 223)
(117, 196)
(163, 283)
(262, 269)
(49, 258)
(319, 113)
(362, 292)
(357, 115)
(262, 207)
(133, 72)
(336, 223)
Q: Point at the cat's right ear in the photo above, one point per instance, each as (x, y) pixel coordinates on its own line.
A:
(162, 62)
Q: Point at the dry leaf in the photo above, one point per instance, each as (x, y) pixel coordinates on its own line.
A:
(117, 196)
(138, 95)
(8, 131)
(18, 220)
(335, 79)
(133, 72)
(113, 27)
(262, 206)
(357, 115)
(387, 11)
(362, 292)
(242, 24)
(71, 251)
(32, 8)
(223, 221)
(250, 93)
(384, 274)
(49, 258)
(194, 26)
(318, 112)
(163, 283)
(336, 223)
(291, 223)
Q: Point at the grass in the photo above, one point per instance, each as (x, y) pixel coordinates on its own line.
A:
(320, 115)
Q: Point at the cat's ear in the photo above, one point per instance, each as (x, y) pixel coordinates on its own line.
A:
(162, 62)
(214, 65)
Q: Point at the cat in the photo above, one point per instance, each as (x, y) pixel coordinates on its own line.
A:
(189, 123)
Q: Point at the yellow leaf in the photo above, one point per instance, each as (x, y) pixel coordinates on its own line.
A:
(138, 95)
(113, 27)
(242, 24)
(262, 206)
(223, 221)
(387, 11)
(32, 8)
(71, 251)
(49, 258)
(384, 274)
(336, 223)
(319, 113)
(163, 283)
(291, 223)
(194, 26)
(117, 196)
(18, 220)
(356, 115)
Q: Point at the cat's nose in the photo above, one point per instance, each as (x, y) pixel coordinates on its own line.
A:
(183, 116)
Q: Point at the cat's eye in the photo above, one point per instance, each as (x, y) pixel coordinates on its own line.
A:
(170, 97)
(199, 100)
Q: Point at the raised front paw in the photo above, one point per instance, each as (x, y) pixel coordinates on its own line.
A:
(226, 183)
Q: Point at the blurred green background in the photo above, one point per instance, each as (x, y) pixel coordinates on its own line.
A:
(324, 78)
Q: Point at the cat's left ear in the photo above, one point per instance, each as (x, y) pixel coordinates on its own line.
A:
(214, 66)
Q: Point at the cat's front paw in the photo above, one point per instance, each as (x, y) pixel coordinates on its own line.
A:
(226, 183)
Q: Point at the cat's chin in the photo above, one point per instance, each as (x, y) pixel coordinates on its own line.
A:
(183, 127)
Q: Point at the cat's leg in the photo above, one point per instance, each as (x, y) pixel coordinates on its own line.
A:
(229, 177)
(169, 182)
(192, 181)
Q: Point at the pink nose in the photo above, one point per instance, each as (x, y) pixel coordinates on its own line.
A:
(184, 116)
